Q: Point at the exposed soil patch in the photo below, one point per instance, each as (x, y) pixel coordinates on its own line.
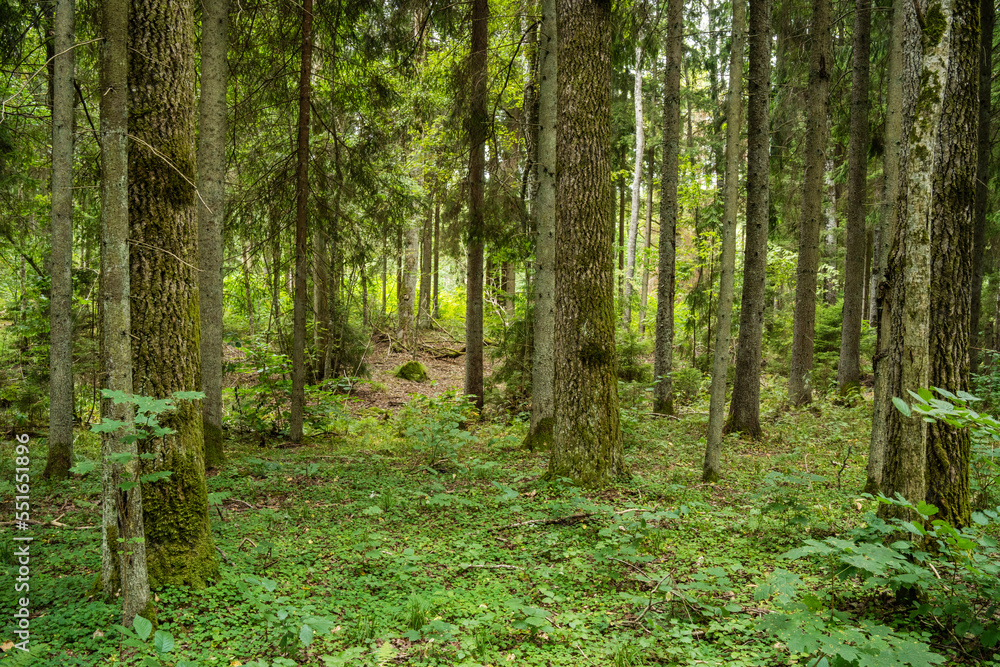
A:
(387, 392)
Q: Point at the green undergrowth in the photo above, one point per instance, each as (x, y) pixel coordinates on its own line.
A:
(429, 538)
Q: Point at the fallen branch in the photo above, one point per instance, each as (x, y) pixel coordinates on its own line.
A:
(491, 567)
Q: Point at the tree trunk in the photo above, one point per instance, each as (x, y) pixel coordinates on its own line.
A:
(509, 286)
(932, 461)
(540, 431)
(211, 210)
(426, 241)
(890, 241)
(712, 467)
(60, 446)
(820, 65)
(166, 351)
(956, 63)
(663, 353)
(587, 444)
(435, 312)
(849, 368)
(301, 232)
(122, 571)
(744, 410)
(275, 241)
(478, 127)
(647, 239)
(321, 302)
(408, 297)
(987, 18)
(248, 291)
(621, 234)
(633, 227)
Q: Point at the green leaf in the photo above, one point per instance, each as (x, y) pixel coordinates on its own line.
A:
(216, 497)
(120, 458)
(901, 406)
(108, 426)
(306, 635)
(143, 627)
(156, 476)
(188, 395)
(83, 467)
(163, 641)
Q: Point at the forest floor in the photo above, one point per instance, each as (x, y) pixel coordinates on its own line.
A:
(394, 536)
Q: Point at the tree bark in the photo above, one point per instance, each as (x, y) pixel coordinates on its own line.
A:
(889, 253)
(166, 355)
(478, 127)
(663, 353)
(211, 218)
(301, 232)
(987, 19)
(849, 367)
(123, 571)
(587, 444)
(426, 241)
(633, 226)
(924, 461)
(542, 371)
(804, 327)
(60, 445)
(952, 222)
(647, 238)
(408, 298)
(744, 409)
(435, 312)
(321, 302)
(712, 467)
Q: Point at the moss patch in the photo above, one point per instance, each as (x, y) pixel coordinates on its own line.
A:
(414, 371)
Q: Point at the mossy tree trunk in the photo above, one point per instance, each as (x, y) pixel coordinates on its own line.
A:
(542, 370)
(663, 352)
(211, 210)
(952, 222)
(849, 366)
(587, 443)
(987, 20)
(60, 447)
(166, 354)
(744, 409)
(933, 294)
(888, 244)
(123, 571)
(712, 467)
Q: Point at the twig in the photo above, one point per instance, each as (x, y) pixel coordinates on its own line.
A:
(153, 247)
(651, 603)
(843, 465)
(492, 567)
(224, 556)
(572, 518)
(174, 167)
